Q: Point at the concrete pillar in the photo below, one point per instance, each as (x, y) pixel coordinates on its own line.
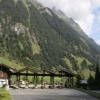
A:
(33, 79)
(37, 79)
(66, 82)
(69, 81)
(72, 81)
(9, 79)
(42, 80)
(27, 75)
(18, 78)
(52, 80)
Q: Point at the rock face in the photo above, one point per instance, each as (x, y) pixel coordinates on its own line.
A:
(37, 36)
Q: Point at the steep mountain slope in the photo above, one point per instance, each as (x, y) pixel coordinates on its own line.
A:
(34, 36)
(77, 28)
(71, 31)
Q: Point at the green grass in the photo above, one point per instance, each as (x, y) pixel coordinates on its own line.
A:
(11, 63)
(4, 95)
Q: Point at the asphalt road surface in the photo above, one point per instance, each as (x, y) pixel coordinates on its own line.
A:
(49, 94)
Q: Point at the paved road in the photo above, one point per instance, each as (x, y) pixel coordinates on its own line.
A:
(49, 94)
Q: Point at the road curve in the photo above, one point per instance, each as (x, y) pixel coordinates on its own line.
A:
(49, 94)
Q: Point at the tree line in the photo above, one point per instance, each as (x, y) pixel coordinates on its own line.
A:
(93, 82)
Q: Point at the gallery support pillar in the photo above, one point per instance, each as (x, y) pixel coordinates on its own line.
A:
(69, 82)
(18, 78)
(9, 79)
(72, 81)
(52, 80)
(27, 75)
(37, 79)
(42, 80)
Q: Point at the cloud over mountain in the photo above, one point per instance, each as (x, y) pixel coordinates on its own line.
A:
(80, 10)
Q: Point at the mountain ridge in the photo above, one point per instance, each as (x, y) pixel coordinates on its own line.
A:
(36, 37)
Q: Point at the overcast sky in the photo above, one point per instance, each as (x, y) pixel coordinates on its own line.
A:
(85, 12)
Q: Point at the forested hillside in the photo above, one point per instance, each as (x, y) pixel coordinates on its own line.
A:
(36, 36)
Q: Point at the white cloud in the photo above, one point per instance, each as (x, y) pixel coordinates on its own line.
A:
(98, 42)
(96, 2)
(80, 10)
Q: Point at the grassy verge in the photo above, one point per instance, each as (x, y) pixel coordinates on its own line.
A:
(4, 95)
(91, 93)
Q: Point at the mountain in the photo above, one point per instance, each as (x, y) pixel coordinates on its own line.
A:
(36, 36)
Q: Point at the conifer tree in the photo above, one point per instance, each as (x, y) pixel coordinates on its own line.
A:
(97, 77)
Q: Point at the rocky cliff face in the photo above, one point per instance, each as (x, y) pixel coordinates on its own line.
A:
(36, 36)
